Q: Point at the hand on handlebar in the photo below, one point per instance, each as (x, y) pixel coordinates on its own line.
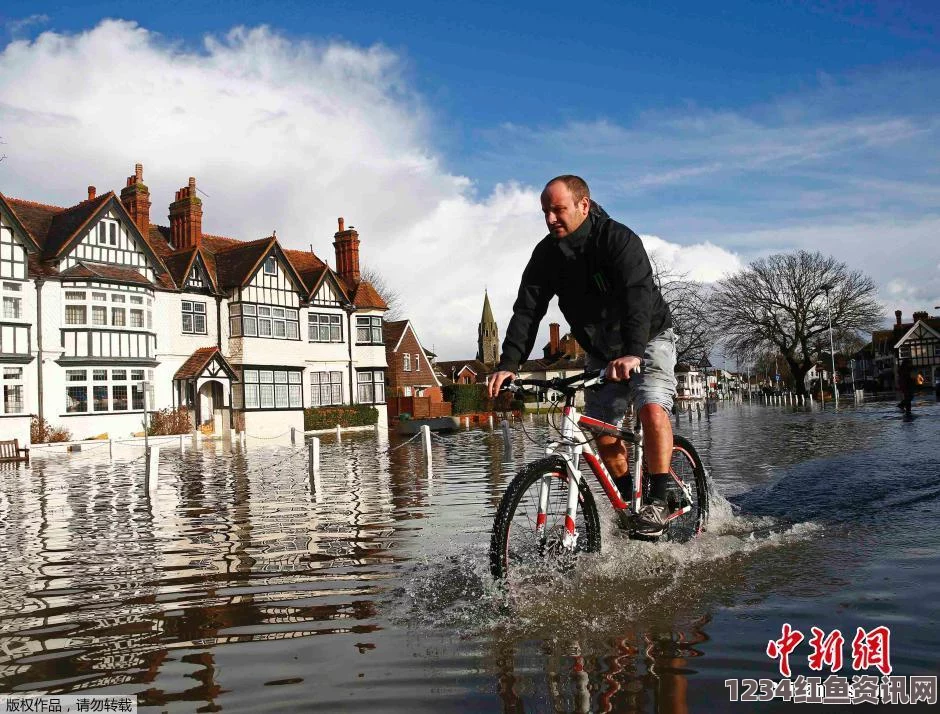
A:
(495, 381)
(621, 368)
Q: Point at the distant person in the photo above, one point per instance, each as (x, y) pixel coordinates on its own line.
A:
(905, 385)
(936, 383)
(602, 276)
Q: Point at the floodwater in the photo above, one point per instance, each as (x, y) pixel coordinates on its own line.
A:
(235, 587)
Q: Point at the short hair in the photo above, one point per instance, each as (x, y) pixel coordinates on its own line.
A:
(577, 185)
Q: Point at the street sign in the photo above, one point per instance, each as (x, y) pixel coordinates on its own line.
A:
(778, 377)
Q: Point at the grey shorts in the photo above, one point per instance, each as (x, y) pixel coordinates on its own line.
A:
(656, 384)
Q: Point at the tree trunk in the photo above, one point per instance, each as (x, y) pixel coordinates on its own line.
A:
(798, 370)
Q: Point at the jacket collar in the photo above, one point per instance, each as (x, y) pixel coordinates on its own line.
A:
(572, 245)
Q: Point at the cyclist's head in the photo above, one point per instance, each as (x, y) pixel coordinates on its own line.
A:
(566, 201)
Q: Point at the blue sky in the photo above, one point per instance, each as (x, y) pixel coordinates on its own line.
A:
(724, 130)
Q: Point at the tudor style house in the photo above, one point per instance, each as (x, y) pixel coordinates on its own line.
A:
(98, 301)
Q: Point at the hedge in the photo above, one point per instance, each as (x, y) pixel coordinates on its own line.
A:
(329, 417)
(472, 398)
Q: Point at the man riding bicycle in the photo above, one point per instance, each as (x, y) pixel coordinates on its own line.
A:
(602, 276)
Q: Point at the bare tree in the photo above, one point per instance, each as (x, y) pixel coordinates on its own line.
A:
(396, 307)
(691, 318)
(778, 304)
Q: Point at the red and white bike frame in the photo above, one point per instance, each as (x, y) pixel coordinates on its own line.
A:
(572, 447)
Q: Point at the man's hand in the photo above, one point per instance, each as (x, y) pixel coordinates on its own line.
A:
(495, 381)
(621, 368)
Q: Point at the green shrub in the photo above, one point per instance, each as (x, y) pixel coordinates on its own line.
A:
(40, 432)
(329, 417)
(164, 422)
(470, 398)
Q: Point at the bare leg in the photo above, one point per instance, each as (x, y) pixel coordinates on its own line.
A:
(657, 438)
(613, 453)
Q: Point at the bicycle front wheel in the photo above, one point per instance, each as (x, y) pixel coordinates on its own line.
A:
(686, 466)
(522, 540)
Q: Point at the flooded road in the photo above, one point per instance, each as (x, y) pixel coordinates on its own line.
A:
(237, 588)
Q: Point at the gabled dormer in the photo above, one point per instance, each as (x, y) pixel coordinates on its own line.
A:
(328, 292)
(15, 244)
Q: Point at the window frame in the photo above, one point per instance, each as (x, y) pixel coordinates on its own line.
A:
(265, 387)
(372, 385)
(373, 326)
(190, 308)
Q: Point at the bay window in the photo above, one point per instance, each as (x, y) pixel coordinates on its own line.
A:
(269, 388)
(371, 386)
(369, 331)
(254, 320)
(326, 388)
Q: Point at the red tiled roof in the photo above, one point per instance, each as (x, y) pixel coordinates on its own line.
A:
(178, 263)
(308, 266)
(367, 296)
(85, 269)
(235, 263)
(52, 226)
(197, 362)
(392, 332)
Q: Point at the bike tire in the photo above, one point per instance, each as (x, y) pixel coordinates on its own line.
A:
(515, 543)
(687, 465)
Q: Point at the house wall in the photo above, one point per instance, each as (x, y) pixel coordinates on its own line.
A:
(421, 378)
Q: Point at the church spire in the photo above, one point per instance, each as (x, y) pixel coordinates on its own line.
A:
(487, 335)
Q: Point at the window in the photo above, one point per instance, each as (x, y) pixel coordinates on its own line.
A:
(117, 316)
(117, 298)
(326, 388)
(194, 317)
(137, 299)
(137, 395)
(99, 297)
(250, 320)
(107, 233)
(371, 384)
(100, 397)
(270, 266)
(12, 390)
(99, 315)
(271, 389)
(406, 362)
(12, 256)
(12, 307)
(137, 319)
(74, 314)
(324, 327)
(76, 399)
(369, 330)
(119, 395)
(417, 363)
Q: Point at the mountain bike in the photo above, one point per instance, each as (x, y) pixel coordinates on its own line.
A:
(548, 514)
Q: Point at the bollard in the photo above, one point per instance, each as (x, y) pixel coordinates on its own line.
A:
(181, 443)
(151, 468)
(338, 433)
(698, 410)
(690, 412)
(491, 422)
(313, 465)
(197, 437)
(507, 444)
(426, 440)
(293, 436)
(110, 450)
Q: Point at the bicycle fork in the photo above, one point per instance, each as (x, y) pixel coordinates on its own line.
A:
(572, 462)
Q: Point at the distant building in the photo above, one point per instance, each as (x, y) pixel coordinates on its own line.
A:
(919, 341)
(410, 372)
(487, 335)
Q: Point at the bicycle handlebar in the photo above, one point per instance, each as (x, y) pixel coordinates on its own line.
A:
(589, 379)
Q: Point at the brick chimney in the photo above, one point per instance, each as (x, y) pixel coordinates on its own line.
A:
(91, 193)
(186, 217)
(897, 316)
(136, 199)
(920, 315)
(347, 252)
(553, 338)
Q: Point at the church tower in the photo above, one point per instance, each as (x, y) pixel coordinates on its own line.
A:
(488, 335)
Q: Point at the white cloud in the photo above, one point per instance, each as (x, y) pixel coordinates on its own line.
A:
(281, 134)
(704, 262)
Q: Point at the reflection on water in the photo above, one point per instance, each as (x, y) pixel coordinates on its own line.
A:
(236, 585)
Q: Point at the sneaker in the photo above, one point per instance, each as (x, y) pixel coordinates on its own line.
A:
(651, 520)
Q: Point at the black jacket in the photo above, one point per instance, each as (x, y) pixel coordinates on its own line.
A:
(604, 283)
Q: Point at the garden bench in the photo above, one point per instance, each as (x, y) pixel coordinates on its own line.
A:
(10, 452)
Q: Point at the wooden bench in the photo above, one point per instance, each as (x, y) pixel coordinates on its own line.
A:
(10, 452)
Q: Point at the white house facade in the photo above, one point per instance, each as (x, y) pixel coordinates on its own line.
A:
(97, 302)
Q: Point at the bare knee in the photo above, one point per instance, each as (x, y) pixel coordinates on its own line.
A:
(610, 446)
(654, 416)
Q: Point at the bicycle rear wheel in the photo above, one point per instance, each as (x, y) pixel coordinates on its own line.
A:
(686, 466)
(519, 543)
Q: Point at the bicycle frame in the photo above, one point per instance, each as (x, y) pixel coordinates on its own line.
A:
(571, 449)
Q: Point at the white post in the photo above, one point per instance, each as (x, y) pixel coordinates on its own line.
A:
(491, 422)
(110, 450)
(426, 439)
(507, 444)
(293, 436)
(338, 435)
(152, 467)
(313, 465)
(466, 422)
(181, 443)
(144, 386)
(197, 437)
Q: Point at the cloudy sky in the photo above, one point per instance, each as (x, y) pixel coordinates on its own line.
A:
(719, 136)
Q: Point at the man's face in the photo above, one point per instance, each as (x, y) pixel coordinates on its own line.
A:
(562, 215)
